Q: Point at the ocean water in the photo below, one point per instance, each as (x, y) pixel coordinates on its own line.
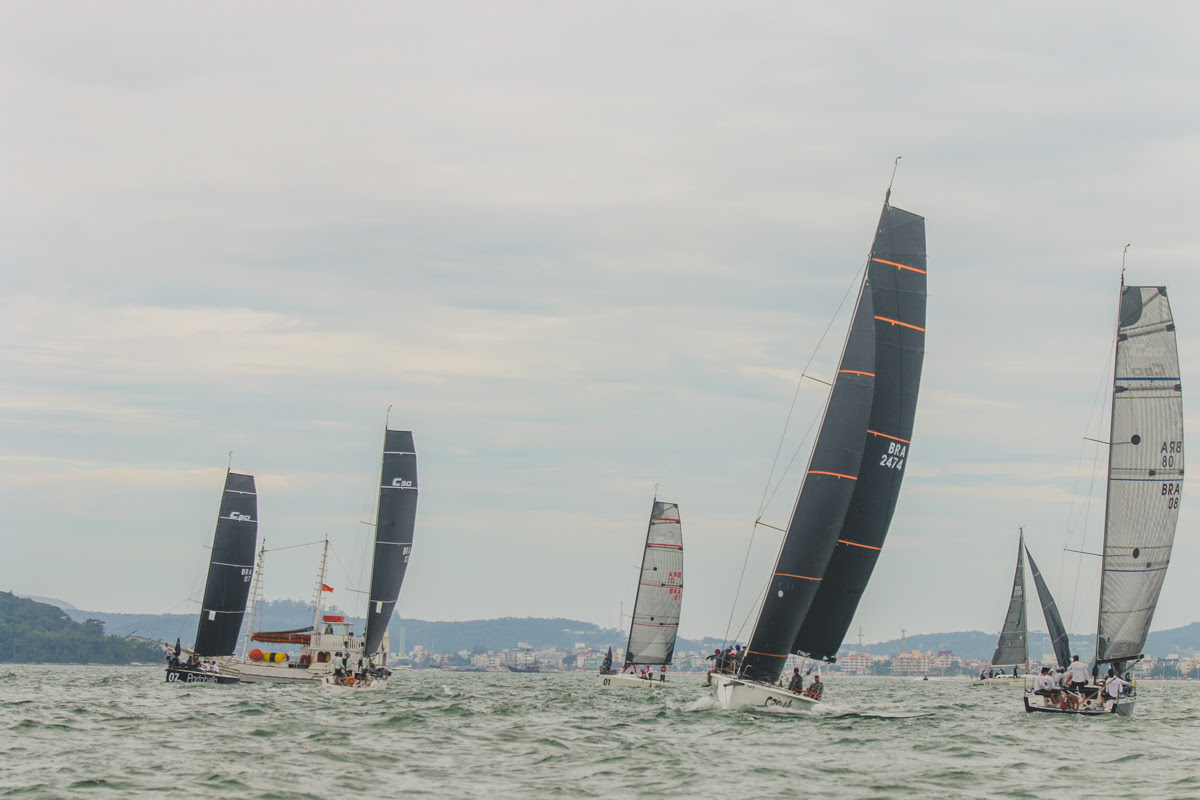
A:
(94, 732)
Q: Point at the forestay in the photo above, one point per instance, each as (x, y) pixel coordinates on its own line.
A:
(1145, 476)
(1013, 647)
(230, 568)
(394, 526)
(660, 590)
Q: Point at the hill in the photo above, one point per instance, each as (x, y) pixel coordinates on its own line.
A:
(33, 632)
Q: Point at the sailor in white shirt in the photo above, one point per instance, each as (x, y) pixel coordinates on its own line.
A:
(1043, 684)
(1114, 685)
(1077, 673)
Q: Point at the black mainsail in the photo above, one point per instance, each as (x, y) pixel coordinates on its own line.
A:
(394, 526)
(660, 590)
(896, 273)
(230, 568)
(1012, 649)
(1145, 473)
(824, 497)
(1054, 623)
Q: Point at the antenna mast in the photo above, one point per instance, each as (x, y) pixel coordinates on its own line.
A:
(895, 166)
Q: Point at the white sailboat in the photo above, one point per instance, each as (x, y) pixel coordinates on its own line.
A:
(1144, 487)
(655, 624)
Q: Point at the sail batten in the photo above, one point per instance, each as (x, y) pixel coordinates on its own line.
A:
(1146, 468)
(230, 568)
(395, 522)
(655, 624)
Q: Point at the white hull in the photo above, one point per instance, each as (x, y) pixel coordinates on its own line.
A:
(734, 693)
(260, 672)
(630, 680)
(1019, 682)
(1123, 707)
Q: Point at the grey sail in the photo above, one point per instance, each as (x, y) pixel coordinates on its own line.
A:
(1054, 623)
(394, 526)
(660, 590)
(230, 568)
(1013, 647)
(822, 502)
(897, 277)
(1145, 473)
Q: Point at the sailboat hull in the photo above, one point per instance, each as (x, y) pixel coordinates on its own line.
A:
(606, 681)
(376, 685)
(196, 676)
(1122, 707)
(733, 693)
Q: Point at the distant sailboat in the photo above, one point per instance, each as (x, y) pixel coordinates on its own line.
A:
(230, 568)
(655, 623)
(845, 505)
(1012, 649)
(1145, 484)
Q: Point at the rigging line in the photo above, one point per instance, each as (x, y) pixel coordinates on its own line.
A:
(738, 590)
(294, 546)
(768, 492)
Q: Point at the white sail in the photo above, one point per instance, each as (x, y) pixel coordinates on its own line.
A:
(1145, 477)
(660, 590)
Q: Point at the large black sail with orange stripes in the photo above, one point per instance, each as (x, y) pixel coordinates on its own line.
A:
(897, 276)
(823, 500)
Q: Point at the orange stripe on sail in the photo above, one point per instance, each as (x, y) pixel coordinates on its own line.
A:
(856, 544)
(802, 577)
(834, 474)
(898, 322)
(886, 436)
(769, 655)
(901, 266)
(857, 372)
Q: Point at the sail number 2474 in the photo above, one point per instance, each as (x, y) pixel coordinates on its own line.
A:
(894, 457)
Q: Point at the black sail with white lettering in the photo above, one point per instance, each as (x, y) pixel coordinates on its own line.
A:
(822, 502)
(896, 274)
(1145, 472)
(1013, 647)
(230, 568)
(394, 526)
(660, 590)
(1054, 623)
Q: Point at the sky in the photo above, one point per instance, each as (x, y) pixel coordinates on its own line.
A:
(584, 252)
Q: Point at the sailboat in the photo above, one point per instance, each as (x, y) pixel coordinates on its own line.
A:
(655, 623)
(395, 521)
(230, 568)
(846, 502)
(1144, 487)
(1012, 649)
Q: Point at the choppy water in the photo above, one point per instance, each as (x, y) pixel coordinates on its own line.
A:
(110, 731)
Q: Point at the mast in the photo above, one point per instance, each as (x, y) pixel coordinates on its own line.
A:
(230, 568)
(318, 592)
(1112, 410)
(252, 609)
(897, 276)
(395, 521)
(655, 622)
(1145, 473)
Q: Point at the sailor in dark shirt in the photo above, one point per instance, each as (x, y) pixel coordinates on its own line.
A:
(796, 684)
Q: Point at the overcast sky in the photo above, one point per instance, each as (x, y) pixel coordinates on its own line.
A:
(582, 250)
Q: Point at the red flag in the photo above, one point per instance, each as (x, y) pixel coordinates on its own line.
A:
(325, 588)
